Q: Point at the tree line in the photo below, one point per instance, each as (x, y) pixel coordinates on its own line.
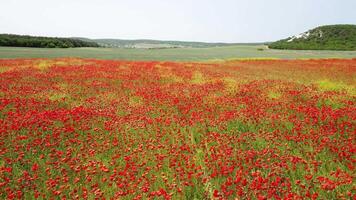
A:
(42, 42)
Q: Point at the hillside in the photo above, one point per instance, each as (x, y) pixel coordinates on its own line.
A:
(43, 42)
(157, 44)
(331, 37)
(12, 40)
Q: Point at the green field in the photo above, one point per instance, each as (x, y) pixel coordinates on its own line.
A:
(178, 54)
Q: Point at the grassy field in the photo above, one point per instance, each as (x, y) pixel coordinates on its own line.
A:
(181, 54)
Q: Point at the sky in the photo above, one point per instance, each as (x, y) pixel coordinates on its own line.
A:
(185, 20)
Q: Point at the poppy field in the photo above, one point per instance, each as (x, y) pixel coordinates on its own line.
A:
(246, 129)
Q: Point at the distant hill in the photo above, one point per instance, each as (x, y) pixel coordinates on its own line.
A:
(43, 42)
(331, 37)
(13, 40)
(156, 44)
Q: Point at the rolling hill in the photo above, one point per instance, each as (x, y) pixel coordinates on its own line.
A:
(157, 44)
(13, 40)
(331, 37)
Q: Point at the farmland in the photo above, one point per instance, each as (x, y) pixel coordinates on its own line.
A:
(75, 128)
(176, 54)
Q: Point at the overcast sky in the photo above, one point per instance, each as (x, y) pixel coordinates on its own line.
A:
(190, 20)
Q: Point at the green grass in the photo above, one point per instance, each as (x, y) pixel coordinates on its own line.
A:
(179, 54)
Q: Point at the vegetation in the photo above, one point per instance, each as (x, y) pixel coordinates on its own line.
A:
(172, 54)
(257, 129)
(42, 42)
(332, 37)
